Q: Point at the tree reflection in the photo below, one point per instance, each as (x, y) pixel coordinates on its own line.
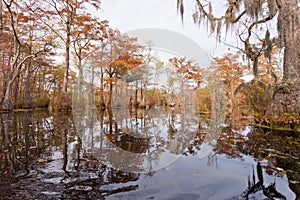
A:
(133, 137)
(229, 142)
(19, 143)
(37, 149)
(41, 147)
(280, 150)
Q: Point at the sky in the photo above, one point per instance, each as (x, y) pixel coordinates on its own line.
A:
(129, 15)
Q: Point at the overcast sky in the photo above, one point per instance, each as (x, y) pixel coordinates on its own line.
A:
(128, 15)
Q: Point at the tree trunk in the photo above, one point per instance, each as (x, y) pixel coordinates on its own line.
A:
(16, 91)
(16, 64)
(28, 99)
(109, 102)
(1, 20)
(7, 103)
(286, 97)
(67, 59)
(102, 101)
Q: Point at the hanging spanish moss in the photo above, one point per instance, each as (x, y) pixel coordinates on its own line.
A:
(254, 16)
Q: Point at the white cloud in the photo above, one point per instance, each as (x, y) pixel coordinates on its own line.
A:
(128, 15)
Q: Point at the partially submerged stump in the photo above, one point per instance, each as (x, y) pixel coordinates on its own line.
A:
(283, 112)
(286, 99)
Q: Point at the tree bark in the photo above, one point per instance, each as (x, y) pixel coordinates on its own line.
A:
(28, 99)
(16, 63)
(67, 59)
(7, 103)
(286, 97)
(1, 19)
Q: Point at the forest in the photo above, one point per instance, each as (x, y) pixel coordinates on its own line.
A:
(46, 46)
(88, 111)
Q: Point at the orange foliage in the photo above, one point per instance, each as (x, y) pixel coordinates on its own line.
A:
(187, 68)
(230, 69)
(127, 61)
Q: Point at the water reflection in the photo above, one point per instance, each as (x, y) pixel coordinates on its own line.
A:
(22, 141)
(141, 140)
(44, 156)
(281, 150)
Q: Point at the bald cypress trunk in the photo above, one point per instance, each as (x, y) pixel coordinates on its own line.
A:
(286, 97)
(1, 22)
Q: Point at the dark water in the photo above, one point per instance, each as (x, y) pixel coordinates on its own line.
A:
(162, 154)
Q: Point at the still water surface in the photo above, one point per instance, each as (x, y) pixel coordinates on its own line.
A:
(46, 156)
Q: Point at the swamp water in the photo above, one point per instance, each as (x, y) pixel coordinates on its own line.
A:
(172, 155)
